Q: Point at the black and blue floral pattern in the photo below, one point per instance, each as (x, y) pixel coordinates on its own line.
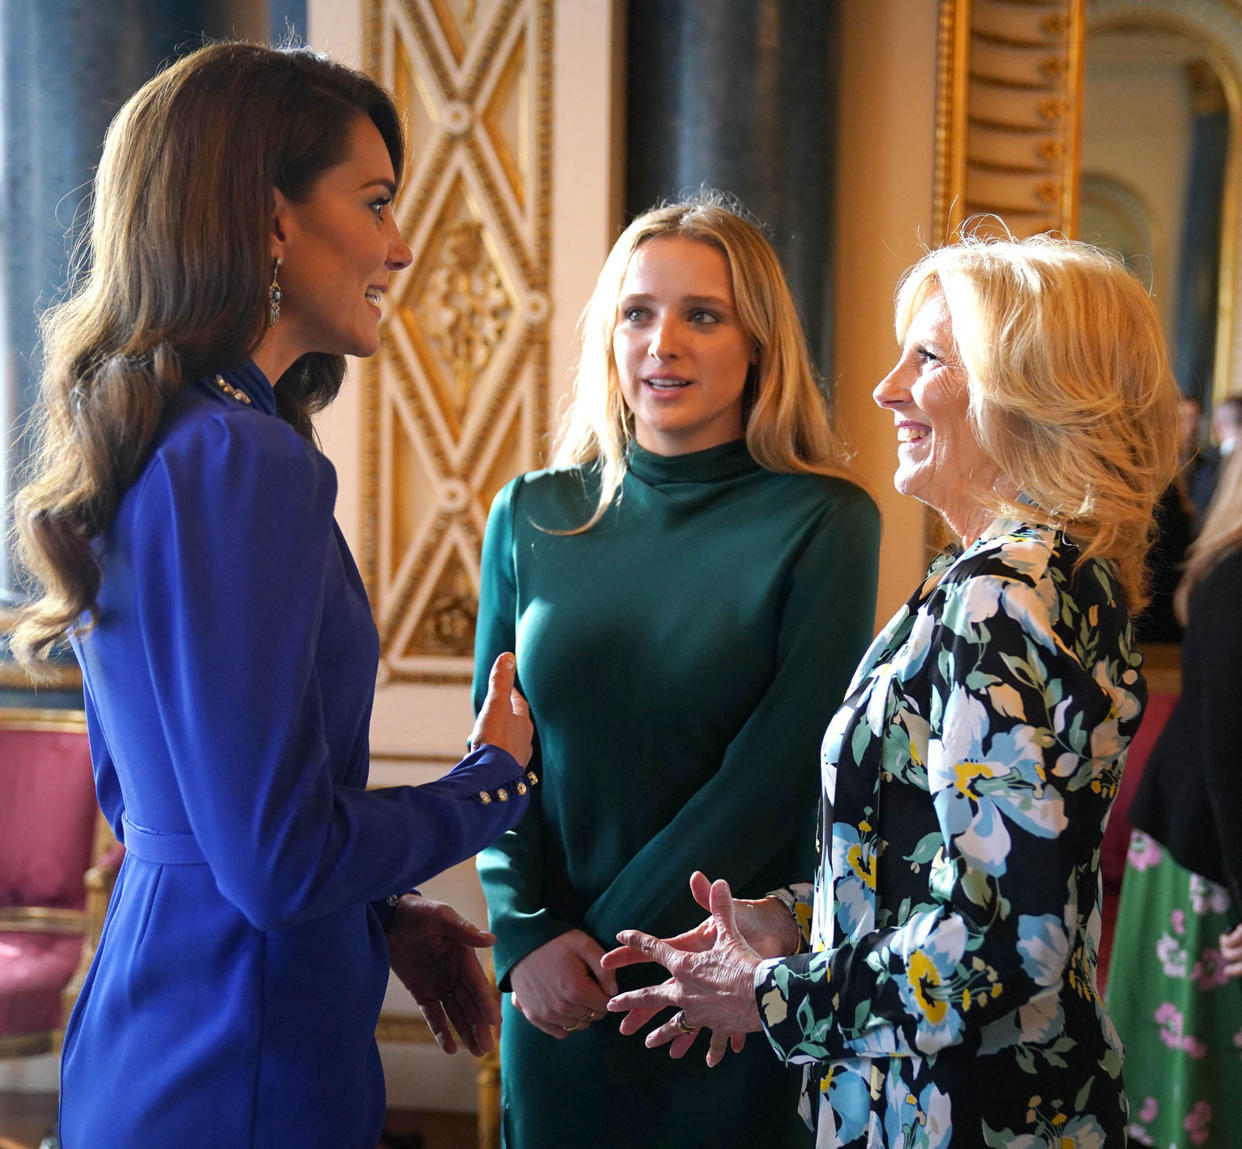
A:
(949, 997)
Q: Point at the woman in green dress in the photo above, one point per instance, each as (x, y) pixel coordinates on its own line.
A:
(687, 591)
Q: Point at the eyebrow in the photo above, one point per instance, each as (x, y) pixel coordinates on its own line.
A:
(387, 184)
(687, 300)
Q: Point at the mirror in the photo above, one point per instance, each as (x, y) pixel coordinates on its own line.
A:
(1155, 144)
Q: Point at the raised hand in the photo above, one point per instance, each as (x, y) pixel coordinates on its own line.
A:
(712, 988)
(504, 718)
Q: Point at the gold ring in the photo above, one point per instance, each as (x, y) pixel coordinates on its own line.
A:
(679, 1020)
(570, 1028)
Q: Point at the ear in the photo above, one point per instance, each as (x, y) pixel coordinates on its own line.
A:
(279, 235)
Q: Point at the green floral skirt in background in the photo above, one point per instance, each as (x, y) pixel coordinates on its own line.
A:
(1178, 1014)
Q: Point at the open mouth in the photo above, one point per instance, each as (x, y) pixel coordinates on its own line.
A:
(665, 384)
(909, 434)
(374, 296)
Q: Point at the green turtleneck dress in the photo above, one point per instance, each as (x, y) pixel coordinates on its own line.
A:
(682, 659)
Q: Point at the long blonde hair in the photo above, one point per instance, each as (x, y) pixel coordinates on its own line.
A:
(1071, 393)
(785, 414)
(1220, 535)
(172, 283)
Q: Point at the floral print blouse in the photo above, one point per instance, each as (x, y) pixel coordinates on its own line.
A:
(949, 994)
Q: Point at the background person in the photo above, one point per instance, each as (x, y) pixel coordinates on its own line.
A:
(180, 521)
(1176, 1008)
(950, 991)
(686, 590)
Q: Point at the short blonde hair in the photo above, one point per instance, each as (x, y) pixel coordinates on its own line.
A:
(1071, 393)
(784, 411)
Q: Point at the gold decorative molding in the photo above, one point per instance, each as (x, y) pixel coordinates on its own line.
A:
(456, 401)
(1009, 113)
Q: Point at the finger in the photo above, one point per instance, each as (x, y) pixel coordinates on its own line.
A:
(606, 979)
(653, 997)
(670, 1034)
(700, 889)
(637, 1019)
(519, 704)
(433, 1015)
(622, 956)
(717, 1048)
(476, 986)
(652, 948)
(737, 1041)
(499, 687)
(721, 900)
(461, 929)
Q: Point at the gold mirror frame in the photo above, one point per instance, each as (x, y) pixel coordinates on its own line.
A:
(1009, 120)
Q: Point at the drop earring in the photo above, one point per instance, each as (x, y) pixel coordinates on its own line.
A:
(274, 295)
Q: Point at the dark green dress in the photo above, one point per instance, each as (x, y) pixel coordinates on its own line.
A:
(682, 659)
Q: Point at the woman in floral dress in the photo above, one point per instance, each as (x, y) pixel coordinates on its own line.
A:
(948, 996)
(1176, 1007)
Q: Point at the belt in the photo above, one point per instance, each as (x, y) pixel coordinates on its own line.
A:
(161, 847)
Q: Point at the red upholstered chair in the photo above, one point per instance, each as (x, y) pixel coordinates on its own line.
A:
(50, 853)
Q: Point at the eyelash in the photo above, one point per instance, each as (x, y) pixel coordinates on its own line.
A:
(926, 355)
(378, 205)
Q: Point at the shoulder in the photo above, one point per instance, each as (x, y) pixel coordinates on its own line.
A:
(214, 448)
(553, 491)
(1028, 572)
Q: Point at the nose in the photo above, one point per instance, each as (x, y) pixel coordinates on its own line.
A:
(399, 254)
(665, 343)
(892, 390)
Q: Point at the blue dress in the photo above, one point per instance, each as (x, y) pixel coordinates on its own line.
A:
(228, 684)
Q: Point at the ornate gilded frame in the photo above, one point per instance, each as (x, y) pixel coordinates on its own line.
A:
(1009, 120)
(1009, 113)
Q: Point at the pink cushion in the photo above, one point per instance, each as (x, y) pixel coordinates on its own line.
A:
(34, 968)
(47, 817)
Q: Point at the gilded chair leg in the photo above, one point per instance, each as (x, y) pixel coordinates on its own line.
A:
(489, 1100)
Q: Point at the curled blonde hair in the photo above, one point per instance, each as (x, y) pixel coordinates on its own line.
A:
(1071, 393)
(784, 411)
(1220, 535)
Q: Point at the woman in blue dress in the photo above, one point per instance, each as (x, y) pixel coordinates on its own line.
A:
(180, 522)
(948, 996)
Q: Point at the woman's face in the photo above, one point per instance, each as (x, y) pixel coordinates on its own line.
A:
(339, 247)
(939, 459)
(681, 354)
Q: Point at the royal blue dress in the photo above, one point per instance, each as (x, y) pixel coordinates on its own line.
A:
(228, 684)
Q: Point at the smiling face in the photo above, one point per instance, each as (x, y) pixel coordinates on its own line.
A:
(681, 353)
(338, 248)
(939, 459)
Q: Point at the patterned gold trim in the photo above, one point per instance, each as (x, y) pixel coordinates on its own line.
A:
(467, 337)
(43, 719)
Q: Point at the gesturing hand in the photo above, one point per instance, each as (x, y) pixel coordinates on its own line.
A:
(712, 987)
(504, 718)
(562, 987)
(431, 949)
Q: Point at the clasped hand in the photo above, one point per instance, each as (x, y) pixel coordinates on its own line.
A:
(711, 971)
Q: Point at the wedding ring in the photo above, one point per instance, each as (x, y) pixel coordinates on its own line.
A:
(570, 1028)
(679, 1020)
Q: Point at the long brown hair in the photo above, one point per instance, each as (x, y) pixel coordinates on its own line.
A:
(170, 283)
(786, 418)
